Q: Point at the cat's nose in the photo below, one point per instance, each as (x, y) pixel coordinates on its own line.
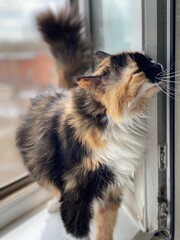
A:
(158, 67)
(155, 72)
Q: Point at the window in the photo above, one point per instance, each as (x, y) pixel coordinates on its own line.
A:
(26, 67)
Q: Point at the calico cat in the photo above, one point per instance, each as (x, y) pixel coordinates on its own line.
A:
(85, 142)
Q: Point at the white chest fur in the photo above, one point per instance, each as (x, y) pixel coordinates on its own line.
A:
(126, 146)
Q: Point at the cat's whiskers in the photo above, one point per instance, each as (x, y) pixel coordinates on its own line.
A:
(168, 85)
(171, 76)
(166, 71)
(170, 89)
(168, 93)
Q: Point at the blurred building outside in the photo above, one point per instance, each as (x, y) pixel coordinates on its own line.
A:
(26, 67)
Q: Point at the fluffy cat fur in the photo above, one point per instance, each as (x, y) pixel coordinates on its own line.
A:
(85, 142)
(64, 32)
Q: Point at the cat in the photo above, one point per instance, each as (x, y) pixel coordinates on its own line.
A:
(84, 142)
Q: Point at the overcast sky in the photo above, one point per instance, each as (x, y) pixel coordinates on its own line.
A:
(17, 18)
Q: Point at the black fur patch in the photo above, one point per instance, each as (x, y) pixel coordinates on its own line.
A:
(74, 152)
(118, 61)
(90, 109)
(56, 164)
(76, 205)
(76, 216)
(145, 64)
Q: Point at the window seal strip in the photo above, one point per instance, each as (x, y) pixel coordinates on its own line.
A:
(9, 189)
(172, 115)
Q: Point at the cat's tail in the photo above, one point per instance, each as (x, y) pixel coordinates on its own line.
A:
(64, 33)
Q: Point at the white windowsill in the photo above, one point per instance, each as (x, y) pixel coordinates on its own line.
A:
(41, 225)
(21, 202)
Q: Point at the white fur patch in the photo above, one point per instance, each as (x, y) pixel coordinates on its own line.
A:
(53, 205)
(126, 146)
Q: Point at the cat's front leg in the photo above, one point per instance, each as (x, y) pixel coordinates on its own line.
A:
(106, 212)
(76, 216)
(105, 220)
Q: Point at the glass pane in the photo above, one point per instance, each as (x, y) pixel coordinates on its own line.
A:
(26, 67)
(117, 25)
(122, 25)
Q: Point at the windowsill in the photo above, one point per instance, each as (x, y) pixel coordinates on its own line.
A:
(21, 202)
(39, 224)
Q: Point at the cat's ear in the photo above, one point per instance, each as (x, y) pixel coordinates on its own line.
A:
(91, 83)
(100, 56)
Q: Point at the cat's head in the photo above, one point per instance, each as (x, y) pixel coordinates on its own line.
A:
(124, 82)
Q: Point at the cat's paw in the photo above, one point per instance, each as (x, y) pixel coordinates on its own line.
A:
(53, 205)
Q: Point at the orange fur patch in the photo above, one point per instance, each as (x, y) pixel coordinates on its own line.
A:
(94, 139)
(104, 64)
(105, 221)
(117, 98)
(70, 183)
(55, 191)
(106, 214)
(89, 136)
(90, 164)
